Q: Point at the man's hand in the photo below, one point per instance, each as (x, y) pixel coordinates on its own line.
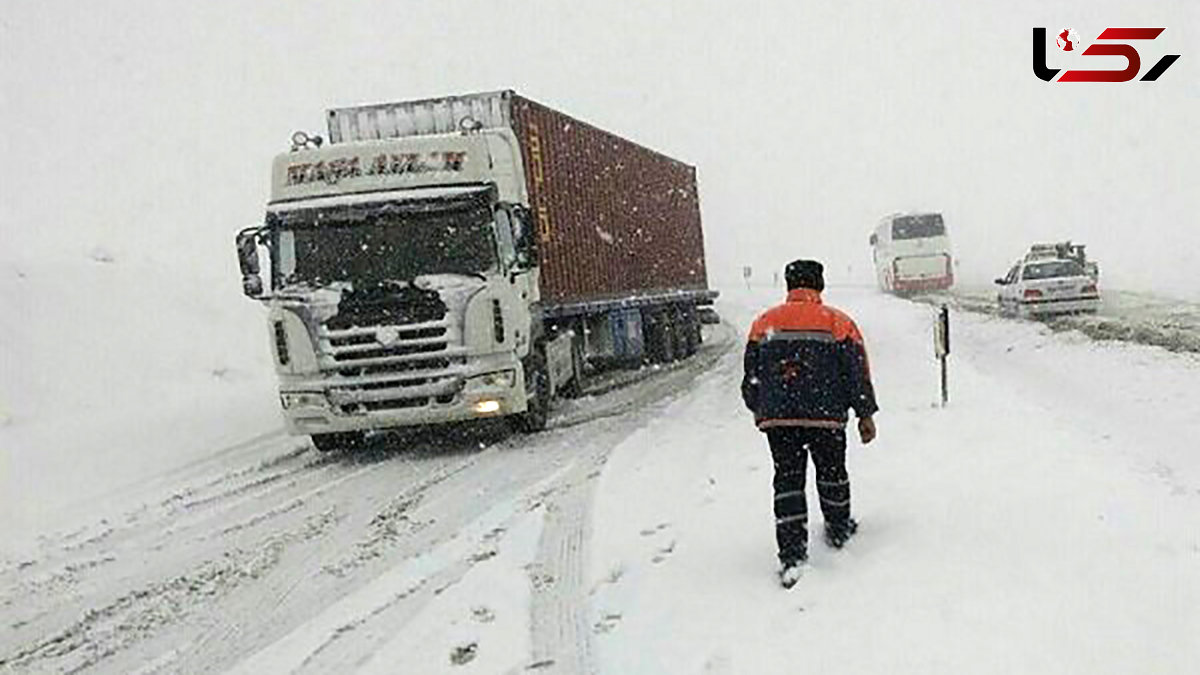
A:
(866, 429)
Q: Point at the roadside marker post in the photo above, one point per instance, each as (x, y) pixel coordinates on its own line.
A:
(941, 347)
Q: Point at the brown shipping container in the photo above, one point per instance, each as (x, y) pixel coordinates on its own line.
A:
(614, 219)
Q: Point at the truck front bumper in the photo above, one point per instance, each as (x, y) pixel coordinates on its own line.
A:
(317, 407)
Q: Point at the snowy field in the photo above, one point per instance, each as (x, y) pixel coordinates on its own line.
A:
(1048, 520)
(116, 370)
(1171, 321)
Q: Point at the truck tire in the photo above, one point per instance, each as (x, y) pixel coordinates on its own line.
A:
(670, 340)
(537, 389)
(346, 440)
(690, 329)
(652, 335)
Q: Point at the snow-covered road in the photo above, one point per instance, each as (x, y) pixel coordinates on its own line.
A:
(268, 557)
(1048, 520)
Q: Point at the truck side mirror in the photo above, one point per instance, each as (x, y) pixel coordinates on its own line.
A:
(247, 250)
(874, 239)
(1001, 281)
(252, 285)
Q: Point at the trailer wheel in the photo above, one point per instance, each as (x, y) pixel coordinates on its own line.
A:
(537, 393)
(346, 440)
(690, 326)
(652, 334)
(664, 341)
(670, 340)
(672, 345)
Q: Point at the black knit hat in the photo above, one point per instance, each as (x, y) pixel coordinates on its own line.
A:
(804, 274)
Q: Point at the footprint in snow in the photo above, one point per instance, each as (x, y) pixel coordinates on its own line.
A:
(464, 654)
(607, 623)
(664, 553)
(651, 531)
(482, 555)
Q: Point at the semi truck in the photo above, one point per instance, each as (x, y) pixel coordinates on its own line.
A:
(453, 259)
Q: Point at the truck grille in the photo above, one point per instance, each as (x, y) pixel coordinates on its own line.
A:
(392, 366)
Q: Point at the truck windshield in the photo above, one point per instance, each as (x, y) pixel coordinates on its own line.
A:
(372, 245)
(918, 227)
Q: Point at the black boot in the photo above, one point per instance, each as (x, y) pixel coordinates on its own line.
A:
(838, 534)
(790, 572)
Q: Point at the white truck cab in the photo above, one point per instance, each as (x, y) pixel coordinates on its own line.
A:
(402, 279)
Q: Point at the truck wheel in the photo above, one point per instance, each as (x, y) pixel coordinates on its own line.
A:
(652, 332)
(691, 331)
(346, 440)
(537, 393)
(664, 337)
(670, 339)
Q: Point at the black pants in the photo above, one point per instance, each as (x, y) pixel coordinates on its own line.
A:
(790, 447)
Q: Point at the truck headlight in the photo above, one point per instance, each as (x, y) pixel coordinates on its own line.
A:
(303, 400)
(499, 379)
(487, 407)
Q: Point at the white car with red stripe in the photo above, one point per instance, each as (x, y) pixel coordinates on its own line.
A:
(1044, 287)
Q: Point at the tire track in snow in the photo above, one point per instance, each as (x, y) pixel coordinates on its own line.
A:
(120, 620)
(560, 621)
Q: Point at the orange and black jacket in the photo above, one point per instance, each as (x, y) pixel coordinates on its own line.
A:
(806, 365)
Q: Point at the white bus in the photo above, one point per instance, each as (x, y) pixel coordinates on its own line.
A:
(912, 253)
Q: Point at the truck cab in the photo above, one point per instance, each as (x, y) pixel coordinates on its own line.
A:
(402, 282)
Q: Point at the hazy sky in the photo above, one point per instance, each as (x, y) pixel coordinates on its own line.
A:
(148, 127)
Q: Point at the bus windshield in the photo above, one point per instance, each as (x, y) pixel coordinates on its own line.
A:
(918, 227)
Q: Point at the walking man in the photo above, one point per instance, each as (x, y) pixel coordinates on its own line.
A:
(805, 366)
